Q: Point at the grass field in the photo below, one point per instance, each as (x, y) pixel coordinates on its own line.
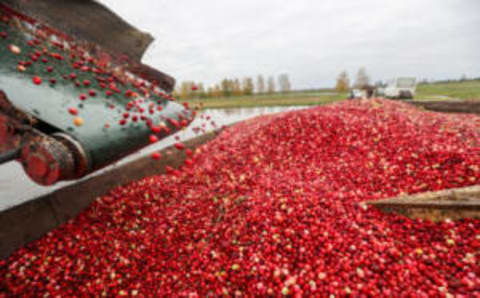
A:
(265, 100)
(466, 90)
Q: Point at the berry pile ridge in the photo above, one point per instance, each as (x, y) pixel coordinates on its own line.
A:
(275, 206)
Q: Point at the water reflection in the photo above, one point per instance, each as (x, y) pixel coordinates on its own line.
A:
(16, 188)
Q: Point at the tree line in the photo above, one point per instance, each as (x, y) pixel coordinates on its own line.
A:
(363, 80)
(343, 81)
(229, 87)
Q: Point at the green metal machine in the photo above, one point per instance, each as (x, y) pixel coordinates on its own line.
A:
(74, 96)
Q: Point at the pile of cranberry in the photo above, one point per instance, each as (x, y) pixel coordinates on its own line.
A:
(276, 206)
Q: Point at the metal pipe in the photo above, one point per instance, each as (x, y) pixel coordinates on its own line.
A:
(9, 155)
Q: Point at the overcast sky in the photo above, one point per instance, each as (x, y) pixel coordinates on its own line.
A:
(311, 40)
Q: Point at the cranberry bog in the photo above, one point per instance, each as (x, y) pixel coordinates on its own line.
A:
(277, 205)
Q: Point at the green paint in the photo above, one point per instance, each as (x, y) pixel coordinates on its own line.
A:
(49, 102)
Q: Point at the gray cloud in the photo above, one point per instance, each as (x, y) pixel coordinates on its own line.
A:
(311, 40)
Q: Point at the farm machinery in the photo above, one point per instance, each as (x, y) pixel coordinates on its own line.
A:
(74, 95)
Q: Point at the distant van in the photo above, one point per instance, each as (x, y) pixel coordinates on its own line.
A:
(357, 93)
(401, 88)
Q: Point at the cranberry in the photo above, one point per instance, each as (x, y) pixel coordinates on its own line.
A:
(153, 139)
(78, 121)
(156, 155)
(73, 111)
(14, 49)
(37, 80)
(271, 206)
(179, 146)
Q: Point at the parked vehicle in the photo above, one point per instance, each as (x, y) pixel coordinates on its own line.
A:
(402, 88)
(363, 92)
(357, 93)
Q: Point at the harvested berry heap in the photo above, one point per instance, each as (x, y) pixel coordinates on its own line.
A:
(275, 205)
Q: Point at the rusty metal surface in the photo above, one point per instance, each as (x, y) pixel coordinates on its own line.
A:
(8, 109)
(6, 156)
(92, 22)
(8, 138)
(11, 121)
(81, 160)
(88, 20)
(163, 80)
(46, 160)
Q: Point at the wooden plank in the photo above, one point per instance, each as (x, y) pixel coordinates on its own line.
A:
(454, 204)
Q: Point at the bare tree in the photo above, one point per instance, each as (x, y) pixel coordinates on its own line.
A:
(217, 91)
(260, 84)
(247, 86)
(201, 91)
(343, 82)
(362, 79)
(284, 82)
(237, 87)
(227, 87)
(185, 90)
(271, 85)
(210, 92)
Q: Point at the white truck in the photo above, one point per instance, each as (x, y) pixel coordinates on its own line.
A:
(403, 87)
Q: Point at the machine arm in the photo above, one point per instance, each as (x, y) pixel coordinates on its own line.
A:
(9, 155)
